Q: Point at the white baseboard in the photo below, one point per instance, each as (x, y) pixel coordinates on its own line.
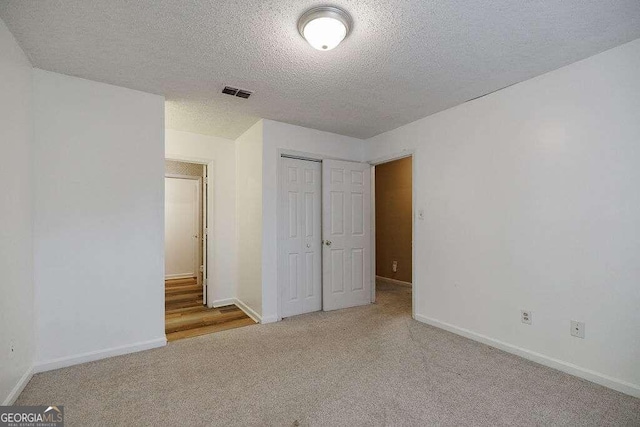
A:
(223, 302)
(63, 362)
(393, 281)
(244, 307)
(179, 276)
(250, 312)
(22, 383)
(569, 368)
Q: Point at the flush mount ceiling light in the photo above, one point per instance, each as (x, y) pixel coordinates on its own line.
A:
(324, 27)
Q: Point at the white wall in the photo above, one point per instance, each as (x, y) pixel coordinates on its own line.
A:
(280, 137)
(98, 219)
(219, 154)
(182, 217)
(249, 219)
(532, 201)
(16, 231)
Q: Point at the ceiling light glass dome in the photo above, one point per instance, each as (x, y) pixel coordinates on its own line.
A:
(324, 27)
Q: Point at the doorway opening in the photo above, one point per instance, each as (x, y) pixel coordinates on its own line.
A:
(186, 241)
(185, 221)
(393, 204)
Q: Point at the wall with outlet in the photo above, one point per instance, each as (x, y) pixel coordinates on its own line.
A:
(16, 230)
(394, 218)
(531, 201)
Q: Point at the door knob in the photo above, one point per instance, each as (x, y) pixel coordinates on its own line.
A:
(327, 242)
(308, 245)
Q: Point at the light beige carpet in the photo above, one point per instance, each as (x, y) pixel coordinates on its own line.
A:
(368, 366)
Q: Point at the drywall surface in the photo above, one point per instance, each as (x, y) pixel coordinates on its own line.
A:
(532, 201)
(16, 230)
(281, 137)
(182, 228)
(394, 216)
(249, 218)
(177, 167)
(219, 154)
(98, 219)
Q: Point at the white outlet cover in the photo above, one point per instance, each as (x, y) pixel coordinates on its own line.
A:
(526, 316)
(577, 329)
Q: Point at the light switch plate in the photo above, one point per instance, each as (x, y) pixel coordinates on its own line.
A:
(421, 214)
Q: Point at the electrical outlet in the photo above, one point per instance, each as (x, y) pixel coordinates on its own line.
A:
(394, 266)
(526, 316)
(577, 329)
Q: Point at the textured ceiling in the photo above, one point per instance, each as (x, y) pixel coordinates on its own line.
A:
(404, 59)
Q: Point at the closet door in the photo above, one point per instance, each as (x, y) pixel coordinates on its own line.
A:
(346, 230)
(300, 269)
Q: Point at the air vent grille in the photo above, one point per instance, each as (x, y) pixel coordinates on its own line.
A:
(230, 90)
(240, 93)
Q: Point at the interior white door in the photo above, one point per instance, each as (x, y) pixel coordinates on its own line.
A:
(346, 229)
(181, 243)
(300, 269)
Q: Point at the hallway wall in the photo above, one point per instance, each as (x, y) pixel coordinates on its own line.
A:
(249, 222)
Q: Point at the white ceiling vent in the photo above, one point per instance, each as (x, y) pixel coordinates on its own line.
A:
(241, 93)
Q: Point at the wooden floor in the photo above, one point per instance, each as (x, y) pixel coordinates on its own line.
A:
(185, 316)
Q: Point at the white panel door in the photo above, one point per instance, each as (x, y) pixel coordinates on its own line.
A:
(181, 243)
(300, 269)
(346, 230)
